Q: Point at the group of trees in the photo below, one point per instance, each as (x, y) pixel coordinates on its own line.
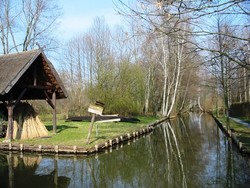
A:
(172, 55)
(132, 71)
(103, 65)
(216, 31)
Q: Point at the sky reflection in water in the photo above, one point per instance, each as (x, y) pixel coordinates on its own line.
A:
(187, 152)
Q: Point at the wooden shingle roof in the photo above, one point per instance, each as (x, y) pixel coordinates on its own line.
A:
(29, 70)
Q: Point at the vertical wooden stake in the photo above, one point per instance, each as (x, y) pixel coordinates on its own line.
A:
(90, 128)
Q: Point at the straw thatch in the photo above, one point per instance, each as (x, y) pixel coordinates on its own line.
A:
(28, 161)
(29, 70)
(27, 124)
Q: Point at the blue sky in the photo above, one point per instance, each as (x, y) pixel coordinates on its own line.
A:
(78, 15)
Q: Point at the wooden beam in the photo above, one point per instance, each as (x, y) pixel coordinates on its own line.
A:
(10, 122)
(54, 111)
(35, 76)
(37, 87)
(10, 108)
(19, 97)
(109, 120)
(49, 101)
(52, 103)
(3, 101)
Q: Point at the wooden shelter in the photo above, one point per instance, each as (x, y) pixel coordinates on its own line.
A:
(28, 75)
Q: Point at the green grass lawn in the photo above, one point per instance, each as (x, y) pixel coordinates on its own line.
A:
(75, 133)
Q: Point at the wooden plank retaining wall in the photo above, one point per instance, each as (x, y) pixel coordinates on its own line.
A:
(77, 149)
(245, 149)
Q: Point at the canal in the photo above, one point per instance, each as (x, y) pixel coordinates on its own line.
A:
(188, 152)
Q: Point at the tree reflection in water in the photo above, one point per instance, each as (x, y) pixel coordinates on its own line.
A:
(173, 148)
(190, 151)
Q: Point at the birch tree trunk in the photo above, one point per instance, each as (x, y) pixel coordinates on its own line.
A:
(171, 80)
(147, 91)
(165, 75)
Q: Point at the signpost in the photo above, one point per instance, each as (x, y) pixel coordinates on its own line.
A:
(95, 109)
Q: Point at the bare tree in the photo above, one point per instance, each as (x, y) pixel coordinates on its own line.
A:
(223, 68)
(149, 51)
(27, 24)
(200, 16)
(74, 74)
(7, 25)
(197, 14)
(101, 65)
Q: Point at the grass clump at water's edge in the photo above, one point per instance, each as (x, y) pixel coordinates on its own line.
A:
(75, 133)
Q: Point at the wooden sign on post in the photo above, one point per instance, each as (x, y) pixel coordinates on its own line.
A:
(96, 108)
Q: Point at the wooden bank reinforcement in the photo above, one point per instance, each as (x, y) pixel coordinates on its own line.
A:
(60, 149)
(244, 148)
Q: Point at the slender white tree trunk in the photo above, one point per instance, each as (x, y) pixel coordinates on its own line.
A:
(147, 92)
(165, 71)
(179, 60)
(170, 90)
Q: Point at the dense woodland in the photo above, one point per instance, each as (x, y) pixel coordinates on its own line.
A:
(167, 57)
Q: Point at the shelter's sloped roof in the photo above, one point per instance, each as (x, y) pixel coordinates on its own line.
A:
(29, 70)
(12, 67)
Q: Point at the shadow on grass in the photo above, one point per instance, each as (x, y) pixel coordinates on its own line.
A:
(60, 128)
(97, 138)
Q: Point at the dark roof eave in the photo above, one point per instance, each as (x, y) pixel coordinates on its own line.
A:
(56, 75)
(23, 70)
(61, 92)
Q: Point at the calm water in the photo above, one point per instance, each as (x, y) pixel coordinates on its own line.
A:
(190, 152)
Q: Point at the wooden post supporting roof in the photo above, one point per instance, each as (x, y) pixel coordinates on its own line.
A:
(29, 75)
(52, 103)
(10, 107)
(54, 112)
(10, 121)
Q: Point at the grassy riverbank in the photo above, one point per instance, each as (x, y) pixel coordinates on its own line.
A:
(237, 127)
(75, 133)
(241, 132)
